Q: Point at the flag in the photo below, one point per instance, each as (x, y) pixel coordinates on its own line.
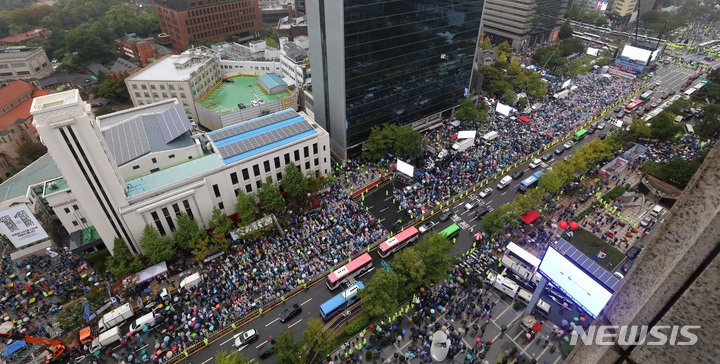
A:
(86, 314)
(601, 254)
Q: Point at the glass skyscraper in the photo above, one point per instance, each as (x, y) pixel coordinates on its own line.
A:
(376, 62)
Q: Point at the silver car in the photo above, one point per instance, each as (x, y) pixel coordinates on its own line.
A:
(426, 227)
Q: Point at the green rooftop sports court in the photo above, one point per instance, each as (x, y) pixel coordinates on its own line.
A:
(225, 97)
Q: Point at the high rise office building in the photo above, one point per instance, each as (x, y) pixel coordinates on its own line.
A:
(405, 62)
(523, 22)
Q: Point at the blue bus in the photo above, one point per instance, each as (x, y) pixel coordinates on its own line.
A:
(530, 181)
(340, 302)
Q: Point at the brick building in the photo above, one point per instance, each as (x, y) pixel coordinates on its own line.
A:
(206, 20)
(22, 38)
(143, 49)
(15, 120)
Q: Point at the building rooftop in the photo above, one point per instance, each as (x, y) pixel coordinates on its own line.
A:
(147, 129)
(121, 65)
(74, 78)
(248, 139)
(14, 90)
(15, 52)
(21, 112)
(225, 97)
(270, 80)
(18, 38)
(179, 67)
(97, 68)
(37, 172)
(54, 186)
(173, 174)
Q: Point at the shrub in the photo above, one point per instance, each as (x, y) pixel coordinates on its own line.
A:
(368, 355)
(503, 295)
(416, 319)
(515, 350)
(466, 284)
(517, 305)
(385, 341)
(357, 325)
(613, 194)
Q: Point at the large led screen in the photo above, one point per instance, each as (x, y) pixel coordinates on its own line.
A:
(636, 55)
(582, 288)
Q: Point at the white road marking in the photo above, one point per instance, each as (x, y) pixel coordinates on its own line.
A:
(366, 272)
(230, 339)
(207, 360)
(303, 304)
(298, 321)
(271, 322)
(261, 344)
(503, 194)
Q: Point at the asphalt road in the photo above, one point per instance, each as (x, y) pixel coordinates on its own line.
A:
(380, 205)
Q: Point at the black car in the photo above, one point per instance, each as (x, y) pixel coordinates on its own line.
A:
(590, 130)
(546, 157)
(266, 349)
(484, 210)
(290, 312)
(228, 80)
(241, 106)
(633, 252)
(603, 136)
(517, 174)
(96, 104)
(559, 150)
(625, 267)
(445, 215)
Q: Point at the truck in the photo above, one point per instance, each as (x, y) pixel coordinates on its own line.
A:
(115, 317)
(502, 284)
(106, 338)
(463, 144)
(504, 182)
(54, 348)
(490, 136)
(190, 281)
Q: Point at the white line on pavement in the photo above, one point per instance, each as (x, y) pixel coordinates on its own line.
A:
(298, 321)
(271, 322)
(366, 272)
(308, 300)
(230, 339)
(207, 360)
(261, 344)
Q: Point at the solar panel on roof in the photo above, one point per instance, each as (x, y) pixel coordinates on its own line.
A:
(127, 140)
(602, 275)
(242, 146)
(173, 123)
(252, 125)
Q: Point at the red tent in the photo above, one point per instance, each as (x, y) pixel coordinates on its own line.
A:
(454, 137)
(530, 216)
(525, 119)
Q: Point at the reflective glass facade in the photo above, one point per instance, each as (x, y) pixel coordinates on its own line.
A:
(401, 61)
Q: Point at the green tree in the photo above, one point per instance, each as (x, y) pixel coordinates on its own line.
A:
(294, 182)
(663, 126)
(565, 30)
(221, 225)
(88, 45)
(410, 269)
(202, 247)
(485, 43)
(638, 128)
(71, 317)
(401, 141)
(316, 339)
(234, 357)
(470, 113)
(288, 350)
(270, 196)
(30, 152)
(380, 295)
(549, 182)
(509, 96)
(493, 223)
(246, 207)
(158, 248)
(102, 110)
(113, 89)
(122, 261)
(503, 48)
(188, 232)
(434, 250)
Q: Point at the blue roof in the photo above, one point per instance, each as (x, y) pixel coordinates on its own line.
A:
(245, 140)
(271, 80)
(173, 174)
(41, 170)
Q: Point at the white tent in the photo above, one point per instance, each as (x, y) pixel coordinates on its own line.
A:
(503, 109)
(405, 168)
(148, 273)
(467, 134)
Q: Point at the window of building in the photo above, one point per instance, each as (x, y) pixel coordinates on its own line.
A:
(317, 162)
(256, 170)
(75, 223)
(277, 162)
(185, 103)
(234, 178)
(168, 219)
(67, 210)
(162, 87)
(279, 176)
(158, 223)
(182, 94)
(221, 205)
(266, 164)
(246, 175)
(144, 87)
(306, 152)
(152, 87)
(140, 102)
(216, 189)
(75, 207)
(154, 160)
(188, 210)
(171, 87)
(307, 165)
(137, 94)
(248, 188)
(173, 94)
(83, 220)
(258, 184)
(23, 72)
(155, 94)
(134, 86)
(171, 156)
(136, 167)
(147, 94)
(18, 65)
(287, 158)
(164, 94)
(237, 192)
(297, 155)
(176, 208)
(315, 148)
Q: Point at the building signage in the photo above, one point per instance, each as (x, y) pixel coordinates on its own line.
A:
(20, 226)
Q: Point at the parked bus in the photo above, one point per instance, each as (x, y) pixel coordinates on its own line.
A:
(350, 270)
(646, 95)
(451, 232)
(689, 92)
(520, 262)
(580, 135)
(530, 181)
(340, 302)
(399, 241)
(632, 105)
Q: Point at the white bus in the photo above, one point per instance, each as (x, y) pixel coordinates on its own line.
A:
(689, 129)
(520, 261)
(503, 284)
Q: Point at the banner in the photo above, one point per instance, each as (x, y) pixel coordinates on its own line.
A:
(20, 226)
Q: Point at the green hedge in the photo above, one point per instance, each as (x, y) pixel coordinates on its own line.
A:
(613, 194)
(357, 325)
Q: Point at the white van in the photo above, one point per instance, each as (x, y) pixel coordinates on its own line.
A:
(504, 182)
(490, 136)
(524, 296)
(657, 211)
(504, 285)
(144, 321)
